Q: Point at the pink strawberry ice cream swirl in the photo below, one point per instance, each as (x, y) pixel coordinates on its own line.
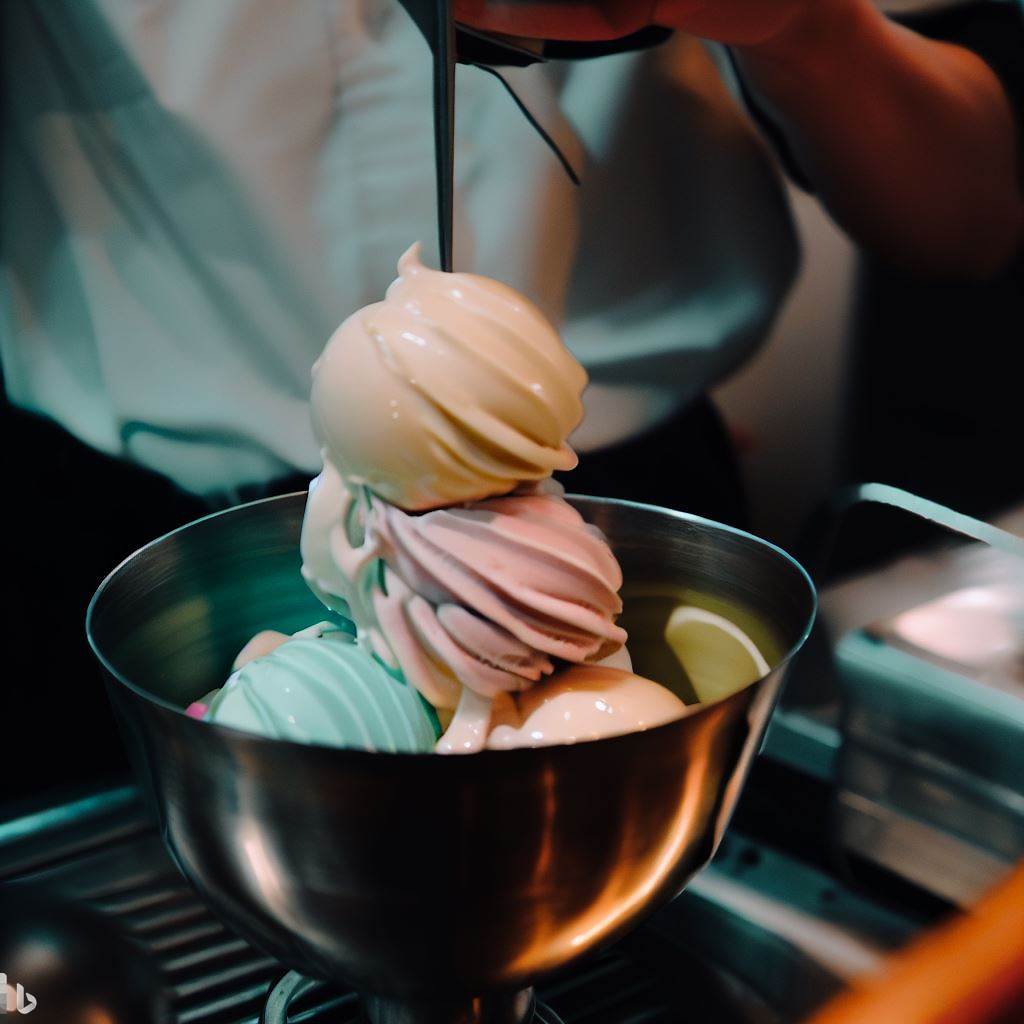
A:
(487, 596)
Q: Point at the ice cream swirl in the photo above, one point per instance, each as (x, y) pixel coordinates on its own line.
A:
(454, 388)
(487, 597)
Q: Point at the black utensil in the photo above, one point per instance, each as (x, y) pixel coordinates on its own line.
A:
(434, 19)
(451, 43)
(444, 128)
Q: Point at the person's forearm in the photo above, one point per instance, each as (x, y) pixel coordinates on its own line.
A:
(910, 143)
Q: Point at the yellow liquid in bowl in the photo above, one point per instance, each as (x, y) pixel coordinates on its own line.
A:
(646, 613)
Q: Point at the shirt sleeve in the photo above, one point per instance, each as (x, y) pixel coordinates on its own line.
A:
(993, 29)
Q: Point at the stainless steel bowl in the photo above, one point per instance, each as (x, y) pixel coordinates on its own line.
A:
(439, 886)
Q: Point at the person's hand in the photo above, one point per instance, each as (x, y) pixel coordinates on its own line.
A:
(738, 22)
(911, 143)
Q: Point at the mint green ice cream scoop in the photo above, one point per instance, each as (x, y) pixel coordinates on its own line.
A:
(325, 690)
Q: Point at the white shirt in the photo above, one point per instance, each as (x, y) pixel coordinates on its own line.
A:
(196, 193)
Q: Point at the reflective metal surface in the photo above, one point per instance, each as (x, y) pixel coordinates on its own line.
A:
(929, 670)
(422, 879)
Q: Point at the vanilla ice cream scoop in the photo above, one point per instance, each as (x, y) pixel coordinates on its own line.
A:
(585, 702)
(455, 388)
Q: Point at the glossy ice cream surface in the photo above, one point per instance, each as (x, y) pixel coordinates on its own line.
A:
(586, 702)
(454, 388)
(436, 528)
(485, 596)
(321, 687)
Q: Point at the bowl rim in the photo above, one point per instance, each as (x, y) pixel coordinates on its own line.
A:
(355, 752)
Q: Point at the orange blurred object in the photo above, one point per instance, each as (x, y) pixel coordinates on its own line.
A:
(968, 971)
